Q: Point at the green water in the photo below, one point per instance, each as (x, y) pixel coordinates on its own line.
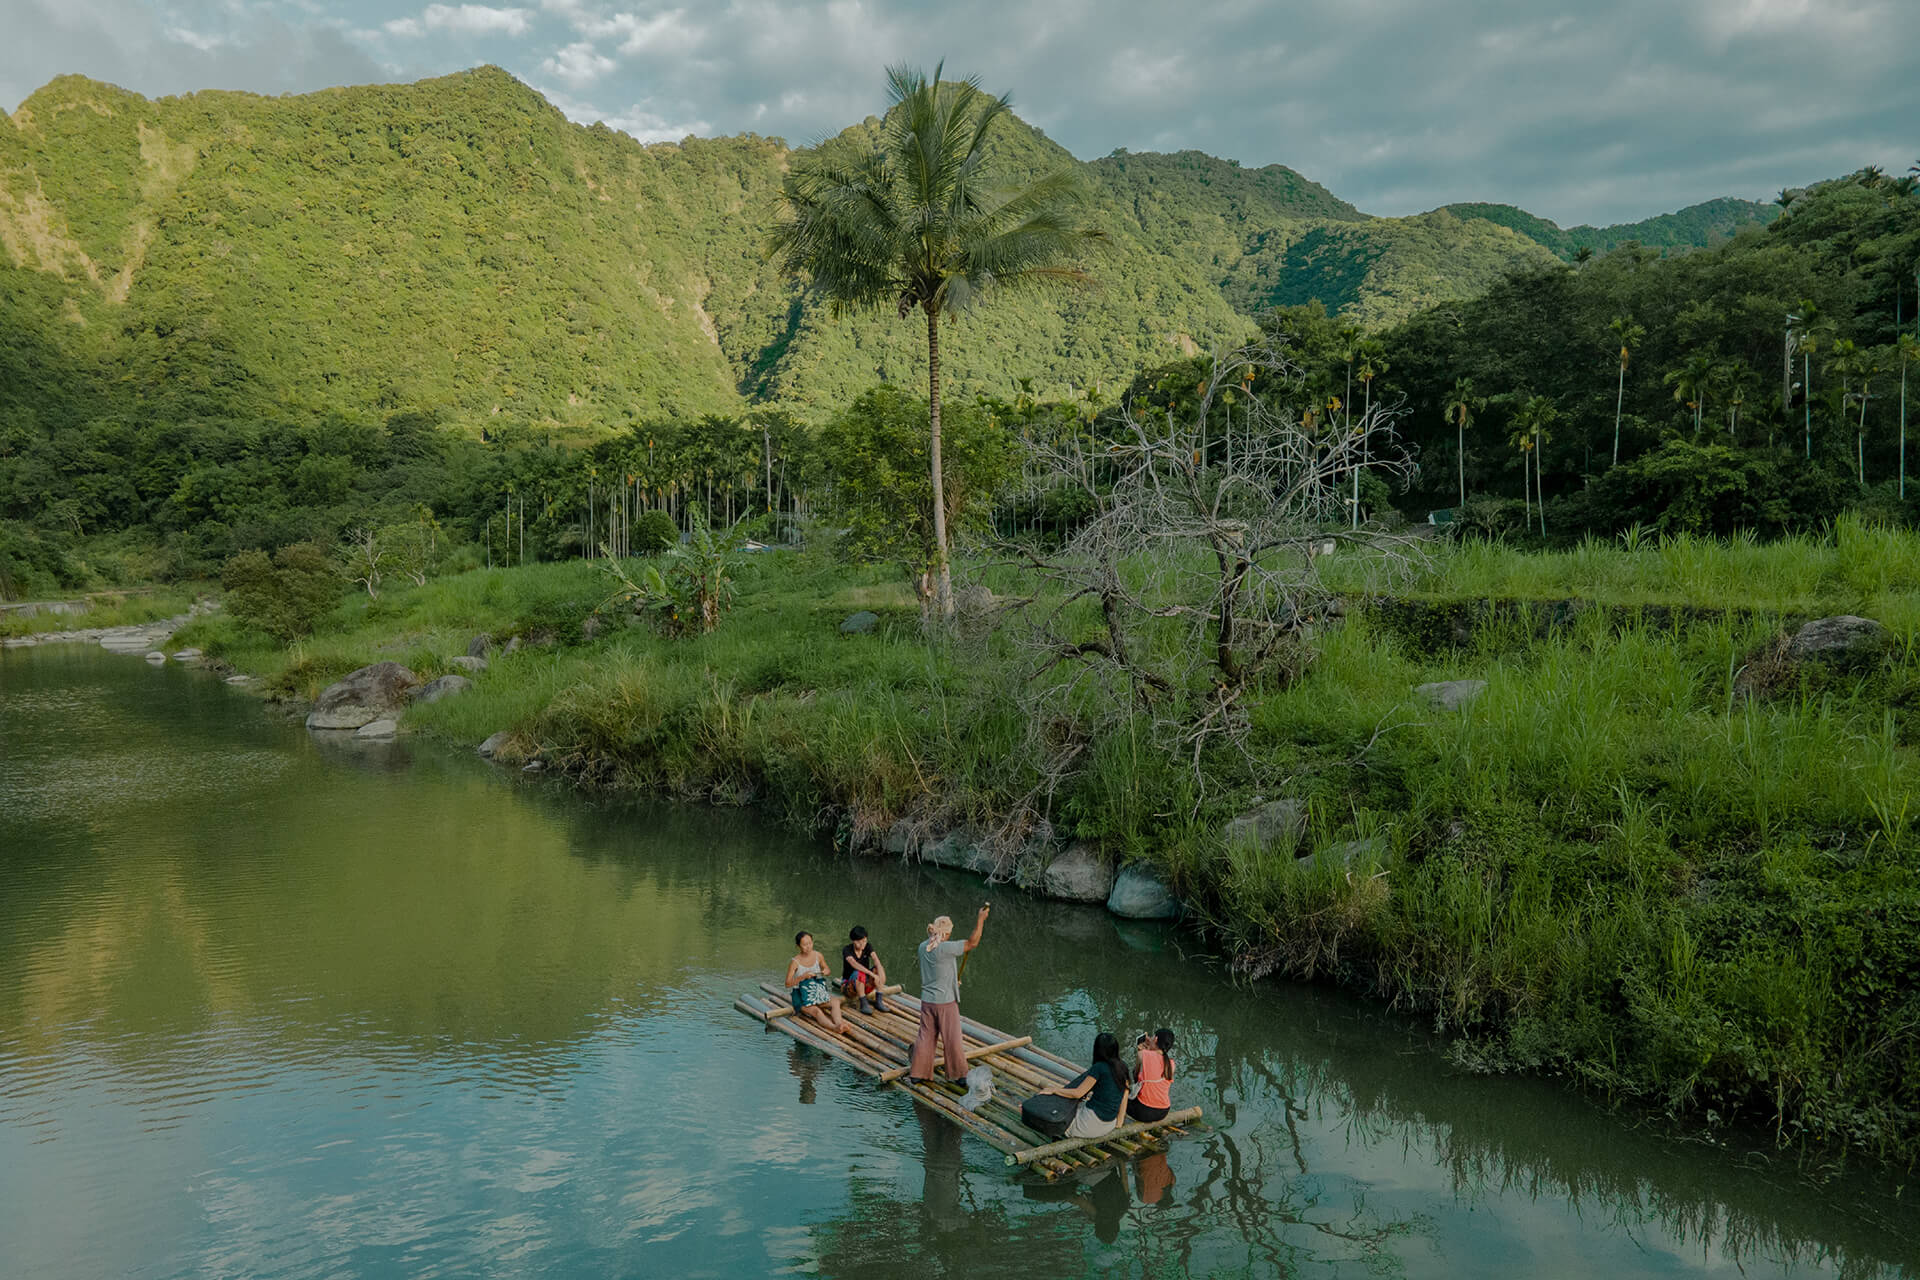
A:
(275, 1007)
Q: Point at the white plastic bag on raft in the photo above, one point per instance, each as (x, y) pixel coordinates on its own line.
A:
(979, 1088)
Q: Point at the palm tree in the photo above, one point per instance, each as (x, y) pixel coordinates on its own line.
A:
(1583, 255)
(1906, 350)
(1461, 402)
(1786, 198)
(1691, 382)
(1537, 413)
(1627, 334)
(1810, 330)
(912, 222)
(1522, 440)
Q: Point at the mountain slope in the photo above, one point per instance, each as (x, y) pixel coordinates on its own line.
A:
(458, 247)
(1696, 226)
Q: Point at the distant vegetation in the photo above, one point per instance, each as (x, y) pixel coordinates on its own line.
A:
(1693, 227)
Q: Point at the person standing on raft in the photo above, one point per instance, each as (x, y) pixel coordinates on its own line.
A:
(940, 1000)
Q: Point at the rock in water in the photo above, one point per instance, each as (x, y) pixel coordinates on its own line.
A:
(860, 623)
(1138, 894)
(1275, 824)
(1843, 641)
(364, 696)
(1451, 695)
(445, 686)
(156, 657)
(491, 747)
(187, 655)
(377, 729)
(1078, 875)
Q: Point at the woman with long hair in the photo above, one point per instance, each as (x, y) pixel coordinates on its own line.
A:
(1101, 1090)
(1155, 1073)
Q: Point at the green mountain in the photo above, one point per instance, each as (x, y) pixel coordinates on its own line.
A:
(1694, 227)
(457, 247)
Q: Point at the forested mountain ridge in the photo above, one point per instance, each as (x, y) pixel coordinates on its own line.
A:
(457, 247)
(1693, 227)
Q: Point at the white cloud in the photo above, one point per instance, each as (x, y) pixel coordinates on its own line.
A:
(669, 31)
(579, 64)
(464, 20)
(195, 39)
(643, 122)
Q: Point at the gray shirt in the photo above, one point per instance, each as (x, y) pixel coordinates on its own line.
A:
(939, 981)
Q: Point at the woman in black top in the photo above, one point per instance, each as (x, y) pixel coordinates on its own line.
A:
(861, 975)
(1102, 1089)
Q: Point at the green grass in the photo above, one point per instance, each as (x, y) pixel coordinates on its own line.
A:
(104, 609)
(1613, 864)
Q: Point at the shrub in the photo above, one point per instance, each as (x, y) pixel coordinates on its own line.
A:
(654, 532)
(284, 596)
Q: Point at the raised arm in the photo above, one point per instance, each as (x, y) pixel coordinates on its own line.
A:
(979, 924)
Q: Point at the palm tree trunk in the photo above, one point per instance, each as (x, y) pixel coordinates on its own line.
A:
(1903, 426)
(1540, 481)
(1461, 429)
(1526, 494)
(1619, 399)
(943, 569)
(1860, 438)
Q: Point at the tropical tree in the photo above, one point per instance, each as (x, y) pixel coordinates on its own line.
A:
(1691, 382)
(1460, 407)
(1906, 351)
(1628, 335)
(1537, 413)
(913, 222)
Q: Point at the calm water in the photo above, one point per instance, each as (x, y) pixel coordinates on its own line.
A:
(274, 1008)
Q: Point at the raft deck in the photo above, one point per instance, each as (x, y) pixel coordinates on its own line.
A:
(877, 1045)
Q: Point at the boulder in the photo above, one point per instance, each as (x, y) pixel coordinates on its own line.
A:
(1843, 641)
(960, 850)
(479, 647)
(239, 679)
(382, 728)
(1078, 875)
(156, 657)
(1275, 824)
(860, 623)
(444, 687)
(534, 766)
(513, 645)
(495, 741)
(187, 655)
(363, 696)
(470, 664)
(1451, 695)
(1138, 894)
(899, 838)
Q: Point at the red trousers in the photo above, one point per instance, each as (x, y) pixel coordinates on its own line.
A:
(942, 1021)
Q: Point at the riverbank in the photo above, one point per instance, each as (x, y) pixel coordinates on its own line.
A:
(1659, 858)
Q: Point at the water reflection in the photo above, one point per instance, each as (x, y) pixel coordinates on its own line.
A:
(272, 1007)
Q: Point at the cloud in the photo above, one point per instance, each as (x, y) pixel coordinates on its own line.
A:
(579, 64)
(463, 20)
(1601, 113)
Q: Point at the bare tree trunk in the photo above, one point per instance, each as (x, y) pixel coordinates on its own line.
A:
(1619, 399)
(943, 569)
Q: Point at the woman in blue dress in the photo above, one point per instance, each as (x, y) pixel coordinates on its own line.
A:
(807, 979)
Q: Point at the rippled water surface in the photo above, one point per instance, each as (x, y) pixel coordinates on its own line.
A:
(275, 1007)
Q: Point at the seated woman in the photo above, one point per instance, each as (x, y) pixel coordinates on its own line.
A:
(861, 973)
(812, 994)
(1101, 1088)
(1150, 1101)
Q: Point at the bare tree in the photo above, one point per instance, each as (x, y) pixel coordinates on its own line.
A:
(1193, 584)
(362, 558)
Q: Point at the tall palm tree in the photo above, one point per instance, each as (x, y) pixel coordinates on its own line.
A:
(1461, 403)
(1627, 334)
(912, 222)
(1372, 357)
(1691, 382)
(1537, 413)
(1906, 350)
(1521, 439)
(1786, 198)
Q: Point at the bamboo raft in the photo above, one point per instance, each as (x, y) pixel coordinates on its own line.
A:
(877, 1045)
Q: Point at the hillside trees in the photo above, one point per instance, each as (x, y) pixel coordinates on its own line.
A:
(913, 223)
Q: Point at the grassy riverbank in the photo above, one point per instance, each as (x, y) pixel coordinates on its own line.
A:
(1613, 864)
(101, 609)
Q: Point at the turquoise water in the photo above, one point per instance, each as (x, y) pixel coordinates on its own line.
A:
(275, 1007)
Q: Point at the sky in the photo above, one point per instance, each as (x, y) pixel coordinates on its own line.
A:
(1598, 112)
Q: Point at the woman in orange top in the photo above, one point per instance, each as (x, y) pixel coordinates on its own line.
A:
(1155, 1074)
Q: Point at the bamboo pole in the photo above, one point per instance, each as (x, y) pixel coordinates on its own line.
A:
(984, 1051)
(1065, 1145)
(787, 1010)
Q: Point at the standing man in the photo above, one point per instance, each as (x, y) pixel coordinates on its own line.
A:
(940, 1000)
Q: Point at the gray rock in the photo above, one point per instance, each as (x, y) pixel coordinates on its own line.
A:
(1274, 825)
(860, 623)
(513, 645)
(239, 679)
(156, 657)
(534, 766)
(1355, 855)
(187, 655)
(1138, 894)
(1078, 875)
(495, 741)
(444, 687)
(479, 647)
(962, 851)
(1842, 641)
(470, 664)
(593, 626)
(18, 642)
(1451, 695)
(363, 696)
(381, 728)
(899, 838)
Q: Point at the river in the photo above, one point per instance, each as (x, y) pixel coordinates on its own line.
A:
(272, 1006)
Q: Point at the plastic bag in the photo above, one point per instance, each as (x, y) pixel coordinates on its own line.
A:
(979, 1088)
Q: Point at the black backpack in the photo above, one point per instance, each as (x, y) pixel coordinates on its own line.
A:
(1048, 1113)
